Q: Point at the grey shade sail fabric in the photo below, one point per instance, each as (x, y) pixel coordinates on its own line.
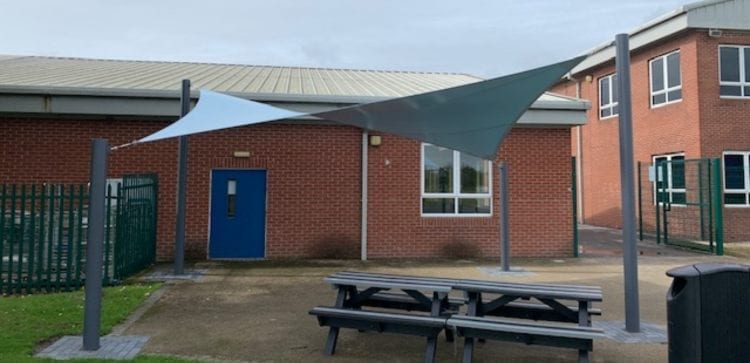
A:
(216, 111)
(472, 118)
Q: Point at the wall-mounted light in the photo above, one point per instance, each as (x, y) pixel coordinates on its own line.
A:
(589, 78)
(241, 154)
(375, 140)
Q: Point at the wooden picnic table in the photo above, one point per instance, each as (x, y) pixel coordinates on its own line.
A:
(356, 290)
(501, 299)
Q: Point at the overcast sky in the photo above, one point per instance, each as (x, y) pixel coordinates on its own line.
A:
(484, 38)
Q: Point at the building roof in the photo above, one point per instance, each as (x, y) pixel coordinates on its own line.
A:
(77, 86)
(80, 73)
(707, 14)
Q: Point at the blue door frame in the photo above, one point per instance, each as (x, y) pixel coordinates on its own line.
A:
(238, 214)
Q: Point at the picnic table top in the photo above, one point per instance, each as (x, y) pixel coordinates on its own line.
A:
(550, 291)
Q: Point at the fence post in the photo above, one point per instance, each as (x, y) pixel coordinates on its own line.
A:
(718, 207)
(640, 204)
(657, 200)
(2, 234)
(93, 303)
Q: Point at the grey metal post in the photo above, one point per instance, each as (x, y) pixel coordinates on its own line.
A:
(179, 243)
(93, 304)
(363, 216)
(504, 225)
(627, 175)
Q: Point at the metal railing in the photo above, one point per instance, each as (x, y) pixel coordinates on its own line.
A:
(43, 234)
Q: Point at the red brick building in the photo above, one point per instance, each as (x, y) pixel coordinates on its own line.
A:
(690, 73)
(314, 176)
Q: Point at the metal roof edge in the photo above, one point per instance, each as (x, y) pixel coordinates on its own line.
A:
(675, 15)
(566, 103)
(149, 93)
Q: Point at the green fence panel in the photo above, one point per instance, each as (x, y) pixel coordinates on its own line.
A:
(679, 204)
(43, 234)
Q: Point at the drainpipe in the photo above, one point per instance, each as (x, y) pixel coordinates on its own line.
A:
(579, 153)
(363, 223)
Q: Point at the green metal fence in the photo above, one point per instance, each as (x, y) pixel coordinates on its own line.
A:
(43, 234)
(680, 202)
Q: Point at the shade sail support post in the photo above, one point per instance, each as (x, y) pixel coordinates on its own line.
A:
(627, 177)
(92, 309)
(179, 243)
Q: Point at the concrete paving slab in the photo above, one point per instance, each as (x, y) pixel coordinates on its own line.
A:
(615, 330)
(122, 347)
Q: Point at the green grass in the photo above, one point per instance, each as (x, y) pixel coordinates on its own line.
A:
(28, 320)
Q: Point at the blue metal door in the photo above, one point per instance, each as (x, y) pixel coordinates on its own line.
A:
(238, 214)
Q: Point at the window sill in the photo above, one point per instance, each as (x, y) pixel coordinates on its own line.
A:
(665, 104)
(734, 97)
(464, 215)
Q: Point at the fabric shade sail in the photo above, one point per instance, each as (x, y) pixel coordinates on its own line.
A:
(216, 111)
(472, 118)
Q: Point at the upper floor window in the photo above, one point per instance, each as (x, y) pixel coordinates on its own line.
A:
(670, 178)
(737, 178)
(454, 183)
(666, 83)
(734, 71)
(608, 96)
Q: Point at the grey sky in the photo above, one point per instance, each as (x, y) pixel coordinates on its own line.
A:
(485, 38)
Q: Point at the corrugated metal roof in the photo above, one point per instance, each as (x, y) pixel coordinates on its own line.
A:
(32, 71)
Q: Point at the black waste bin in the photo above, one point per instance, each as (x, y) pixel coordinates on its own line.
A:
(708, 313)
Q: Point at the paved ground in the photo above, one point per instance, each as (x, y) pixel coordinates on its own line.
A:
(607, 242)
(257, 311)
(111, 347)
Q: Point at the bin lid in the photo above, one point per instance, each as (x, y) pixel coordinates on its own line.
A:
(712, 268)
(707, 269)
(684, 271)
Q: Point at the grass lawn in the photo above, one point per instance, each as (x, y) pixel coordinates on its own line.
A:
(26, 321)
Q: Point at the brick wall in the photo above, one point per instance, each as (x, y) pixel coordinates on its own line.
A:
(313, 171)
(540, 202)
(701, 125)
(725, 123)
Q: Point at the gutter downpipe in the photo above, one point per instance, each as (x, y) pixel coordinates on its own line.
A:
(579, 151)
(363, 223)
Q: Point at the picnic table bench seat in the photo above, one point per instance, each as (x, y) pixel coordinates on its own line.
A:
(381, 322)
(473, 327)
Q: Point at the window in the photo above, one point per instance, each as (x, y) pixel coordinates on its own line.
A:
(112, 190)
(666, 83)
(737, 178)
(608, 96)
(670, 179)
(454, 183)
(734, 71)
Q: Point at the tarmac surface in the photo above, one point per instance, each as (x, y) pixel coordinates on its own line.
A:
(258, 311)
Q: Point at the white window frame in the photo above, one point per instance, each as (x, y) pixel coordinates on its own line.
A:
(611, 104)
(666, 88)
(456, 194)
(670, 190)
(742, 83)
(746, 190)
(113, 183)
